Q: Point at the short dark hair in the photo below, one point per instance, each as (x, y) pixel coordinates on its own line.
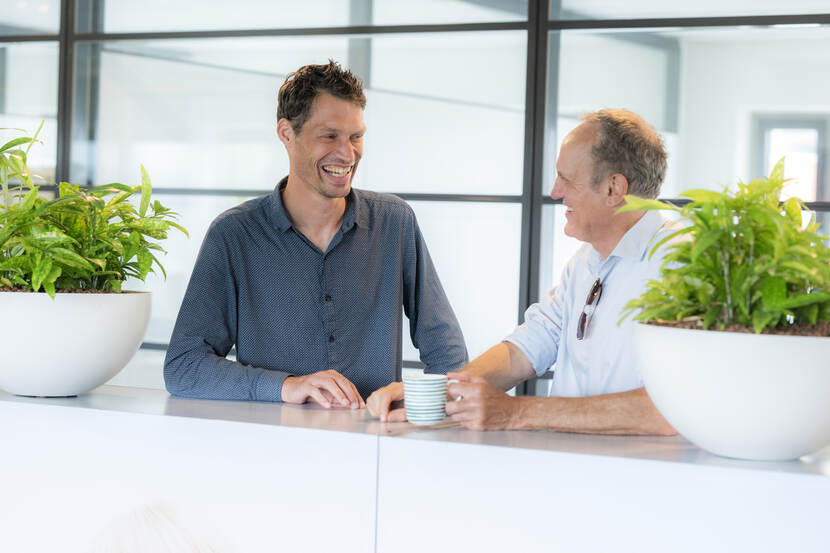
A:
(628, 145)
(302, 86)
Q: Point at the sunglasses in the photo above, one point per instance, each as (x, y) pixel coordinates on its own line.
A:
(592, 300)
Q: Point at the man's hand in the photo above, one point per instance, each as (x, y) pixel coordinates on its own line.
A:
(478, 405)
(384, 403)
(325, 387)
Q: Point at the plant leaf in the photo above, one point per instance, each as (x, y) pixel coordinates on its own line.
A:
(773, 292)
(16, 142)
(635, 203)
(146, 192)
(70, 258)
(702, 196)
(41, 271)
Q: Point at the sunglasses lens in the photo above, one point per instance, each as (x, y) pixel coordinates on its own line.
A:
(580, 327)
(593, 296)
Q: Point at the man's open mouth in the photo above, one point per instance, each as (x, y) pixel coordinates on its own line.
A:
(338, 171)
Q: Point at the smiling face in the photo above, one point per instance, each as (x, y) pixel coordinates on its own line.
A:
(323, 156)
(588, 212)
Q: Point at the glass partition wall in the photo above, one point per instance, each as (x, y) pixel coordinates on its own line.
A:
(468, 101)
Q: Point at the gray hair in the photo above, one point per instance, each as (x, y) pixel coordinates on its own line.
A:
(628, 145)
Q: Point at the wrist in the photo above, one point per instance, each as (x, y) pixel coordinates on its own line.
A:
(287, 386)
(520, 413)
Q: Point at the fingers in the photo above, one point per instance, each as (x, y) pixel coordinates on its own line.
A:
(317, 396)
(459, 390)
(455, 407)
(330, 385)
(381, 401)
(349, 389)
(464, 377)
(377, 404)
(343, 392)
(326, 388)
(396, 415)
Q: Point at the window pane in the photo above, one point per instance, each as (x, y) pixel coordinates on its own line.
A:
(29, 96)
(557, 247)
(799, 148)
(204, 15)
(29, 17)
(398, 12)
(202, 112)
(445, 114)
(637, 9)
(197, 113)
(196, 213)
(475, 248)
(703, 89)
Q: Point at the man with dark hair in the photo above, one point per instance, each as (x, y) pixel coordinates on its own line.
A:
(596, 387)
(310, 282)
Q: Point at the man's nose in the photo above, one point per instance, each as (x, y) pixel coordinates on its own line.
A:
(556, 191)
(346, 151)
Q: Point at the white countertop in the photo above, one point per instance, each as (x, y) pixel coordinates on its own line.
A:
(668, 449)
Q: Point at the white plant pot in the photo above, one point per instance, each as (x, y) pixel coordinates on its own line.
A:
(69, 345)
(761, 397)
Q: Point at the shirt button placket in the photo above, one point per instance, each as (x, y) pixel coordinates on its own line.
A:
(328, 305)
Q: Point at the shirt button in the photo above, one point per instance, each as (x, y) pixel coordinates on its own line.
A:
(331, 339)
(328, 298)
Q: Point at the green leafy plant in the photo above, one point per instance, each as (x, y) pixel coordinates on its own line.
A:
(749, 262)
(84, 239)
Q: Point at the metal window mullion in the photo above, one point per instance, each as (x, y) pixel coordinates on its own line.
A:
(29, 38)
(305, 31)
(535, 94)
(66, 60)
(686, 22)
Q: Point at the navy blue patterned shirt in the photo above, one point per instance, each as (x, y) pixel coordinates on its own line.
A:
(291, 309)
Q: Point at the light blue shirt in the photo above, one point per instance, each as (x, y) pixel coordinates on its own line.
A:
(604, 361)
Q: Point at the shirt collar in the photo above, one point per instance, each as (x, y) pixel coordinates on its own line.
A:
(356, 212)
(281, 218)
(636, 241)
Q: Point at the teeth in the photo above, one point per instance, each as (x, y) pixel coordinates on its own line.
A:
(569, 209)
(337, 171)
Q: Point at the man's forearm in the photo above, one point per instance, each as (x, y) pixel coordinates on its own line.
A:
(630, 412)
(503, 365)
(192, 369)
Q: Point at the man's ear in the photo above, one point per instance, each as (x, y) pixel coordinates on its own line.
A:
(617, 189)
(285, 132)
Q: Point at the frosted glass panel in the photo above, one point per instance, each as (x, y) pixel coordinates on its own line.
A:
(475, 248)
(636, 9)
(29, 17)
(196, 214)
(446, 114)
(557, 247)
(401, 12)
(703, 89)
(636, 69)
(206, 15)
(29, 96)
(203, 111)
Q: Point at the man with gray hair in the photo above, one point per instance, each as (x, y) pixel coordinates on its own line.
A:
(596, 386)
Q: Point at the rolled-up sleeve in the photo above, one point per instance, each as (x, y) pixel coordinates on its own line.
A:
(538, 337)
